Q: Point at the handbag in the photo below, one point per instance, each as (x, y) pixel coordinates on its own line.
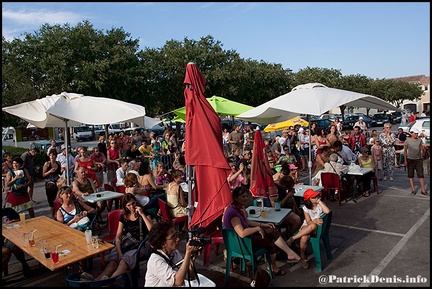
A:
(261, 277)
(129, 242)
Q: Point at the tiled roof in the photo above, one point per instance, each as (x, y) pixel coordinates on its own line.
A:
(422, 79)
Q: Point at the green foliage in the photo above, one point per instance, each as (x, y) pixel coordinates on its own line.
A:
(15, 151)
(85, 60)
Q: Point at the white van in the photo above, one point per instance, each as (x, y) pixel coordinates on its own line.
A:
(83, 132)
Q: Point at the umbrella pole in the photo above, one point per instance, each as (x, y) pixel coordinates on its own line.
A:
(310, 153)
(67, 151)
(190, 178)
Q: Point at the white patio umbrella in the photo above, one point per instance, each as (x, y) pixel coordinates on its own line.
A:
(310, 99)
(71, 109)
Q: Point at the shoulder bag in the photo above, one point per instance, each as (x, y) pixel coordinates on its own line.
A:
(129, 242)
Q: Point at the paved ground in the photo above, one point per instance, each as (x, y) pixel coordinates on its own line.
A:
(384, 237)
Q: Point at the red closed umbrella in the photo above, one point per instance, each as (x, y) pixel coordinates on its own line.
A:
(261, 180)
(204, 151)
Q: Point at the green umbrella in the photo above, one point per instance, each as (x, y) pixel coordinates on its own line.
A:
(221, 105)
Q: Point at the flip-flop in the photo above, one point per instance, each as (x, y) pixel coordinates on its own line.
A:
(293, 260)
(413, 193)
(365, 195)
(424, 193)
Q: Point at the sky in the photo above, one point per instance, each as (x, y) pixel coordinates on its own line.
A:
(374, 39)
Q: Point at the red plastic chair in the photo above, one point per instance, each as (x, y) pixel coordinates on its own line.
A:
(213, 230)
(113, 222)
(166, 214)
(330, 181)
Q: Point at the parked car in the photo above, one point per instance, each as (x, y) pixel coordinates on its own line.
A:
(331, 116)
(379, 119)
(422, 124)
(82, 132)
(350, 120)
(228, 124)
(396, 117)
(323, 123)
(43, 145)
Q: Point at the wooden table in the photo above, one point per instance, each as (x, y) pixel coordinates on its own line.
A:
(275, 217)
(54, 233)
(101, 196)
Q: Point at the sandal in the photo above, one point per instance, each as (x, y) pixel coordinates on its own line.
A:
(305, 263)
(424, 193)
(413, 193)
(290, 241)
(293, 260)
(366, 194)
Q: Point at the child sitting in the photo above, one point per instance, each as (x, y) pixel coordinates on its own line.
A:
(313, 209)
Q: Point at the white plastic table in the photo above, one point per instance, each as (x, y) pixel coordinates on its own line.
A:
(275, 217)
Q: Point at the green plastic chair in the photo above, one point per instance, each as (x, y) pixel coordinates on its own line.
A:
(232, 246)
(322, 234)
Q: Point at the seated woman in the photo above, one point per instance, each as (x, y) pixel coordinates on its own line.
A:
(84, 186)
(72, 212)
(175, 196)
(132, 186)
(366, 161)
(147, 179)
(129, 224)
(262, 234)
(162, 268)
(9, 215)
(286, 196)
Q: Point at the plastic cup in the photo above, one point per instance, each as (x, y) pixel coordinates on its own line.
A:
(95, 242)
(22, 217)
(26, 237)
(55, 257)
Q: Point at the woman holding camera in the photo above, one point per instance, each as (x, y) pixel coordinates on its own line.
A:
(262, 234)
(166, 267)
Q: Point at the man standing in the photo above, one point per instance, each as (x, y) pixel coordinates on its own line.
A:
(363, 126)
(236, 139)
(28, 158)
(61, 158)
(357, 140)
(413, 159)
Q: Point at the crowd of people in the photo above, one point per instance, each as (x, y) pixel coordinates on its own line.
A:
(141, 165)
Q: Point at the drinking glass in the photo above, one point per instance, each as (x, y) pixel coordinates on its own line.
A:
(88, 236)
(95, 242)
(31, 239)
(55, 257)
(264, 213)
(22, 217)
(47, 251)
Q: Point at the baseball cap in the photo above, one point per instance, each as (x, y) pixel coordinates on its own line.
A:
(63, 147)
(309, 193)
(414, 130)
(361, 117)
(293, 167)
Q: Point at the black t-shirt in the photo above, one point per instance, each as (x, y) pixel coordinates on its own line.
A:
(10, 213)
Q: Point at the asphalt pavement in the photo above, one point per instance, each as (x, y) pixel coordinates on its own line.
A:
(380, 241)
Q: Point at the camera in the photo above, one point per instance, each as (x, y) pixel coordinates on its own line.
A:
(198, 239)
